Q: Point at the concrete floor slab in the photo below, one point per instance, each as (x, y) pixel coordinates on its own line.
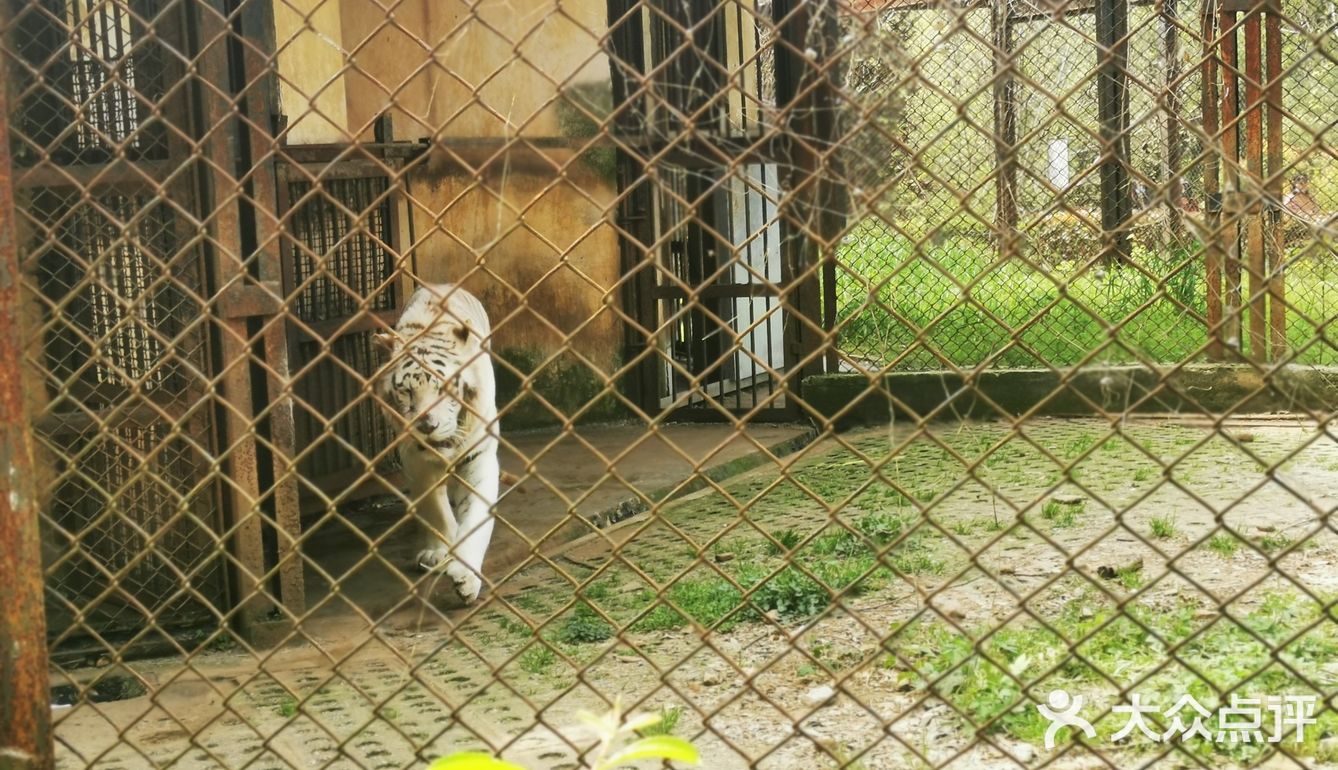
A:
(571, 483)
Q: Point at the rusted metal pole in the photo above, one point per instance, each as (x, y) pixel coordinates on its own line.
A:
(1276, 243)
(25, 695)
(1253, 203)
(1212, 189)
(252, 603)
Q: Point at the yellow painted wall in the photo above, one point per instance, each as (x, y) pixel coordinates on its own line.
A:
(530, 234)
(311, 63)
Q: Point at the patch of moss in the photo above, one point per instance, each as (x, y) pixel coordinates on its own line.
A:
(567, 386)
(577, 111)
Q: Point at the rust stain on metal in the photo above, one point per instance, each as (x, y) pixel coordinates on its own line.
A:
(25, 712)
(1277, 250)
(1254, 165)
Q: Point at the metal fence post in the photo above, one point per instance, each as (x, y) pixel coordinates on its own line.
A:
(25, 710)
(1112, 31)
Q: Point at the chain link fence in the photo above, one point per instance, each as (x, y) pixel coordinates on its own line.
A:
(1008, 102)
(840, 363)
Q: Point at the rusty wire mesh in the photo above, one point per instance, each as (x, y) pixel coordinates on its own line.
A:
(846, 356)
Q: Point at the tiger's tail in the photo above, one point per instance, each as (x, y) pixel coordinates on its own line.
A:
(511, 480)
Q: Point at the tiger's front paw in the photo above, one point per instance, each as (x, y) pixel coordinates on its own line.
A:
(433, 557)
(467, 582)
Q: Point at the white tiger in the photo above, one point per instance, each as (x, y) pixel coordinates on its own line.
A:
(439, 384)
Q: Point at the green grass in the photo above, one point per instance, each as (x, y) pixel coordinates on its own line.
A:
(583, 625)
(1077, 446)
(514, 626)
(537, 659)
(783, 541)
(993, 680)
(1059, 328)
(1223, 545)
(1274, 542)
(669, 716)
(708, 601)
(799, 575)
(1162, 527)
(1130, 577)
(966, 527)
(1062, 515)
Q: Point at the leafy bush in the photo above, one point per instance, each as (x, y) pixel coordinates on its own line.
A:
(611, 729)
(582, 626)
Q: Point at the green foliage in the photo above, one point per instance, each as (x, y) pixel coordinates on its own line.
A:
(1273, 543)
(1130, 577)
(1062, 515)
(791, 593)
(710, 602)
(472, 760)
(514, 626)
(1223, 545)
(1061, 312)
(839, 561)
(537, 659)
(583, 625)
(881, 528)
(1078, 446)
(619, 745)
(993, 678)
(1162, 527)
(783, 541)
(668, 720)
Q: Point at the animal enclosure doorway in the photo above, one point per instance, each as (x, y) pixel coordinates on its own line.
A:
(728, 344)
(713, 242)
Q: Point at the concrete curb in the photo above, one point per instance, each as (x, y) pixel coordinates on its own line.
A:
(1209, 389)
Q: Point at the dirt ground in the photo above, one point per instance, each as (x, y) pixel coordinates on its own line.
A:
(883, 599)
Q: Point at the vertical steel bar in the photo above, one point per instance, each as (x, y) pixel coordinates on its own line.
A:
(1112, 30)
(1170, 15)
(635, 208)
(251, 604)
(1254, 166)
(1212, 189)
(1230, 220)
(796, 81)
(1276, 243)
(25, 700)
(261, 101)
(1005, 128)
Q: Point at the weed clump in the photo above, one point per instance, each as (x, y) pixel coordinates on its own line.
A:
(582, 626)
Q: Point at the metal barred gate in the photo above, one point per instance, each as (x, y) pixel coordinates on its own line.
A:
(726, 230)
(110, 198)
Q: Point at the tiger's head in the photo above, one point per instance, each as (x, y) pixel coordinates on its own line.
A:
(429, 384)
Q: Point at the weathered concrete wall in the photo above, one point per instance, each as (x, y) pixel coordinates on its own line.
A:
(852, 399)
(526, 229)
(547, 276)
